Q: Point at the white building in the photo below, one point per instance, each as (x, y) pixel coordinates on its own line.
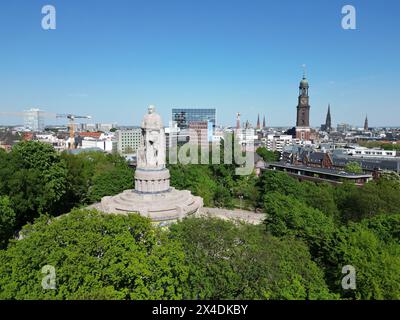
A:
(246, 138)
(278, 142)
(58, 144)
(106, 145)
(364, 152)
(129, 140)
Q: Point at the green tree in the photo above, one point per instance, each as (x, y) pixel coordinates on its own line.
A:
(34, 177)
(7, 221)
(110, 182)
(196, 178)
(320, 196)
(92, 175)
(390, 176)
(287, 216)
(353, 167)
(228, 261)
(375, 197)
(371, 247)
(268, 155)
(95, 256)
(275, 181)
(246, 187)
(377, 264)
(223, 198)
(386, 227)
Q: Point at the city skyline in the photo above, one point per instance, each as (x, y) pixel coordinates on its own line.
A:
(237, 58)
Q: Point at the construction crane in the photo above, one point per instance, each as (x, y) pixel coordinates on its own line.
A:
(71, 125)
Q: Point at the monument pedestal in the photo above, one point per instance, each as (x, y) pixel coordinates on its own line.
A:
(151, 181)
(167, 206)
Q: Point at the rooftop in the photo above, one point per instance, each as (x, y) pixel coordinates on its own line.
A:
(330, 172)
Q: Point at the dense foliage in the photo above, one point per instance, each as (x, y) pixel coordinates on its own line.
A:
(267, 155)
(95, 257)
(380, 144)
(353, 167)
(38, 180)
(228, 261)
(93, 175)
(34, 178)
(7, 221)
(311, 232)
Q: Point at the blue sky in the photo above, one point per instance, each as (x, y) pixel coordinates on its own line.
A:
(111, 59)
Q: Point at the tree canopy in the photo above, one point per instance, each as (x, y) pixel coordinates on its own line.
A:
(95, 256)
(268, 155)
(353, 167)
(311, 232)
(230, 261)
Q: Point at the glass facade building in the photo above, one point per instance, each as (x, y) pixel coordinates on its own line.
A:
(184, 116)
(33, 119)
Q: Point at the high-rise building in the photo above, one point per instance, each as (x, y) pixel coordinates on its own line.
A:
(184, 116)
(303, 111)
(33, 119)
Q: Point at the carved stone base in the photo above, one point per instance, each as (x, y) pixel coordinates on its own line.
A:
(151, 181)
(168, 206)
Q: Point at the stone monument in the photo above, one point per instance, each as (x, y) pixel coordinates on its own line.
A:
(152, 197)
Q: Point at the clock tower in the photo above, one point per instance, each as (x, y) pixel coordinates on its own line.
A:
(303, 111)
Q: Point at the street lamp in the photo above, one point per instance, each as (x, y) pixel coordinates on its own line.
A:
(240, 197)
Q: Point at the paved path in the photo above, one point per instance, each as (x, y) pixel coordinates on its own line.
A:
(234, 214)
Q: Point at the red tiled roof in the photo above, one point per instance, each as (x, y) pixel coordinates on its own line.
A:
(95, 135)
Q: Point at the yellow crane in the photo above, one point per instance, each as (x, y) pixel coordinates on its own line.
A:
(71, 125)
(71, 118)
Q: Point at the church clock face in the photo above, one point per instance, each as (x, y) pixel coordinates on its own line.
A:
(303, 101)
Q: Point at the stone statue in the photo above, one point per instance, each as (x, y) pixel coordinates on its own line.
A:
(152, 153)
(153, 196)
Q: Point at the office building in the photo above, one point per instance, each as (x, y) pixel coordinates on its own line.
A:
(33, 120)
(129, 140)
(184, 116)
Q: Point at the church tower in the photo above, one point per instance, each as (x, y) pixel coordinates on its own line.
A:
(366, 124)
(303, 111)
(328, 121)
(258, 122)
(238, 120)
(264, 126)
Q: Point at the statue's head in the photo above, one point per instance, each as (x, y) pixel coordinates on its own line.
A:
(151, 120)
